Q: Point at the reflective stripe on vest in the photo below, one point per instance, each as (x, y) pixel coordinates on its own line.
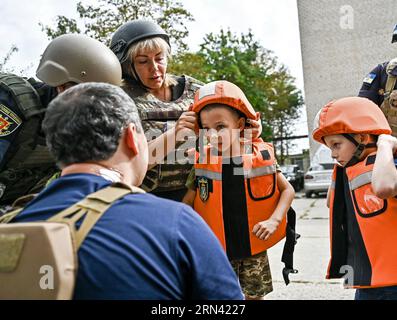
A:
(248, 174)
(360, 180)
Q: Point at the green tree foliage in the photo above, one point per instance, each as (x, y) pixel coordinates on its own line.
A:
(103, 18)
(4, 63)
(242, 60)
(6, 58)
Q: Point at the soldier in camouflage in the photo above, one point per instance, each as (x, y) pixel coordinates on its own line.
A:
(26, 164)
(380, 86)
(163, 101)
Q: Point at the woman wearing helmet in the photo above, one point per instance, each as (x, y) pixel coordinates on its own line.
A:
(363, 219)
(143, 49)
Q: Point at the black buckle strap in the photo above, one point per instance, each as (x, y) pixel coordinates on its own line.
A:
(289, 246)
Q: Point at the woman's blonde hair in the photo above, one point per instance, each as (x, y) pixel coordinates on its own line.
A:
(151, 44)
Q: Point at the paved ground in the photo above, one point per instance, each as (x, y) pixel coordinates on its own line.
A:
(311, 257)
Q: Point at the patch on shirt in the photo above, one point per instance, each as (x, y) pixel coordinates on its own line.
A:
(370, 78)
(9, 121)
(203, 188)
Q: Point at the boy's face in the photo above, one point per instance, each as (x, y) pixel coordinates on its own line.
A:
(342, 148)
(223, 127)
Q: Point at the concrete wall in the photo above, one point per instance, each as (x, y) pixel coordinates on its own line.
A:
(341, 41)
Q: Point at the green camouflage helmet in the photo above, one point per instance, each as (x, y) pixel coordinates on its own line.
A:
(78, 58)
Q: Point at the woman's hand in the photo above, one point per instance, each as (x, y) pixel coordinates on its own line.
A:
(187, 121)
(256, 126)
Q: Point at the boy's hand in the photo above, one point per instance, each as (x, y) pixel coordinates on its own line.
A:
(263, 230)
(256, 126)
(388, 139)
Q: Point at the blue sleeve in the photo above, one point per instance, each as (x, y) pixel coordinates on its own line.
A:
(204, 260)
(372, 84)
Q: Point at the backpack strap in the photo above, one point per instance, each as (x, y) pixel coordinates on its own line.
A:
(91, 208)
(6, 218)
(390, 84)
(391, 79)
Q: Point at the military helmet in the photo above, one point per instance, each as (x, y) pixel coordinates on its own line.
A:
(223, 92)
(132, 32)
(78, 58)
(352, 115)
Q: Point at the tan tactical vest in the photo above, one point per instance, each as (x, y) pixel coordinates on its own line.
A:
(38, 260)
(157, 117)
(389, 105)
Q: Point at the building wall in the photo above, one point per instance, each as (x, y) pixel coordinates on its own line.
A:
(341, 42)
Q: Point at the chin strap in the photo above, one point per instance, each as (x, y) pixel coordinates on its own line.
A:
(134, 79)
(359, 150)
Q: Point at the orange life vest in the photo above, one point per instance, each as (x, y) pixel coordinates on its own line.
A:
(363, 230)
(233, 197)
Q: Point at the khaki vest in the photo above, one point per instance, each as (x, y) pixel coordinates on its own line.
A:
(38, 260)
(157, 117)
(389, 105)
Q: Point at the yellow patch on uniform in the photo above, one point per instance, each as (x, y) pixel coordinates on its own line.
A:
(9, 121)
(370, 78)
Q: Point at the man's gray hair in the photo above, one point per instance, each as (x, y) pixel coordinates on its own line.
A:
(85, 123)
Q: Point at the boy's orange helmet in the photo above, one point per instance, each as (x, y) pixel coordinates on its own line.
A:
(351, 115)
(223, 92)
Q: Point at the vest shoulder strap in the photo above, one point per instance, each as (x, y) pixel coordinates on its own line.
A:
(193, 83)
(391, 79)
(91, 208)
(25, 96)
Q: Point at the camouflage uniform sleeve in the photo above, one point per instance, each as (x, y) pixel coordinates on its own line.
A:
(191, 180)
(372, 85)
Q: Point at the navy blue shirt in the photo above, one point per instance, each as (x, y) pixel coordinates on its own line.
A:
(374, 84)
(143, 247)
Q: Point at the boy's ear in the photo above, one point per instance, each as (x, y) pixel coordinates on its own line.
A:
(131, 139)
(364, 138)
(241, 123)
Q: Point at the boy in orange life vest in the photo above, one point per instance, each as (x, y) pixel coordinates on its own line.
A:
(363, 207)
(240, 195)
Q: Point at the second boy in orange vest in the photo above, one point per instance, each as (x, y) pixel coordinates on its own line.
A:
(363, 207)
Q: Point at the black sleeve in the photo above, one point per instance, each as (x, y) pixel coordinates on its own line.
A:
(372, 84)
